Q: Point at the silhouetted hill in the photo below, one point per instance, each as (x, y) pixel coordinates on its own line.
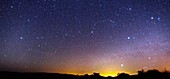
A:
(150, 74)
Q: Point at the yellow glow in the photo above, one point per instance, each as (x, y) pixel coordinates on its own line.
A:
(106, 75)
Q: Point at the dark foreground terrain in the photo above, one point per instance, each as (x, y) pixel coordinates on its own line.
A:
(150, 74)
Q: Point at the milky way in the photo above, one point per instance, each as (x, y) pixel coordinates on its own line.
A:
(84, 36)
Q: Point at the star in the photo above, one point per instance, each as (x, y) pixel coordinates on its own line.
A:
(38, 45)
(28, 20)
(121, 65)
(149, 58)
(28, 49)
(130, 8)
(129, 38)
(37, 37)
(159, 18)
(92, 31)
(21, 38)
(20, 16)
(35, 16)
(12, 6)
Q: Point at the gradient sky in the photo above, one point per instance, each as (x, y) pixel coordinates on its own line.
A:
(84, 36)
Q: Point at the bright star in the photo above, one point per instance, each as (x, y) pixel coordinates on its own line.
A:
(149, 58)
(128, 38)
(21, 38)
(121, 65)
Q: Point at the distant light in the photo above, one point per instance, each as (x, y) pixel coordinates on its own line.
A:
(79, 31)
(159, 18)
(20, 15)
(151, 17)
(21, 38)
(121, 65)
(12, 6)
(42, 37)
(128, 38)
(149, 58)
(37, 37)
(130, 8)
(39, 45)
(92, 32)
(66, 34)
(29, 49)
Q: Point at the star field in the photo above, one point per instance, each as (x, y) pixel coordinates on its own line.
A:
(84, 36)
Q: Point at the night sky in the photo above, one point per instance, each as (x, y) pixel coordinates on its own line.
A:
(84, 36)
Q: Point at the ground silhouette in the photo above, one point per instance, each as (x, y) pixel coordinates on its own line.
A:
(150, 74)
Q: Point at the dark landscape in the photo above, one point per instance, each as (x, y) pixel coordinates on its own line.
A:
(150, 74)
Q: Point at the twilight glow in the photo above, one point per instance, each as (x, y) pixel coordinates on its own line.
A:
(84, 36)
